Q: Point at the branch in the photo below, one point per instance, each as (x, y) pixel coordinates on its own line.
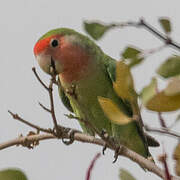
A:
(50, 91)
(151, 29)
(165, 131)
(45, 108)
(17, 117)
(91, 166)
(38, 78)
(52, 105)
(81, 137)
(162, 121)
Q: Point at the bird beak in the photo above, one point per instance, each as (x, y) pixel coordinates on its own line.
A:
(48, 64)
(53, 67)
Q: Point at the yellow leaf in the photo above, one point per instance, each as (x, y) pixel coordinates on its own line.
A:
(113, 112)
(149, 91)
(176, 156)
(173, 87)
(163, 103)
(124, 86)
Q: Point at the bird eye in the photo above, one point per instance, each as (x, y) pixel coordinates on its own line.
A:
(54, 43)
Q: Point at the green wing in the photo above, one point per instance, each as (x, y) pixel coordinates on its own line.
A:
(66, 102)
(111, 69)
(133, 131)
(63, 97)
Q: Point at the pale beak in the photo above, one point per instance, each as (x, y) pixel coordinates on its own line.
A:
(48, 64)
(53, 67)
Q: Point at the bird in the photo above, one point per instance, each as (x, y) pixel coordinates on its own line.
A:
(85, 73)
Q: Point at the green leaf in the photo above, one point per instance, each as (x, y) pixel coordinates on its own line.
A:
(130, 52)
(125, 175)
(131, 56)
(134, 61)
(170, 68)
(149, 91)
(165, 24)
(96, 30)
(12, 174)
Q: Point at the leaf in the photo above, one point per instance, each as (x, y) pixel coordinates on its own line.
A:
(131, 56)
(173, 87)
(130, 52)
(134, 61)
(159, 101)
(178, 118)
(96, 30)
(176, 157)
(149, 91)
(123, 85)
(12, 174)
(113, 112)
(163, 103)
(165, 24)
(125, 175)
(170, 68)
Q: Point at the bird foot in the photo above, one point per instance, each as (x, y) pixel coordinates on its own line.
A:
(58, 131)
(71, 137)
(116, 153)
(104, 134)
(104, 149)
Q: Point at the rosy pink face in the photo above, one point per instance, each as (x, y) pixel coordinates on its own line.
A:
(61, 54)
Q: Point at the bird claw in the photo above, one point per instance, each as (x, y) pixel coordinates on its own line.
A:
(116, 153)
(104, 149)
(58, 131)
(71, 137)
(104, 134)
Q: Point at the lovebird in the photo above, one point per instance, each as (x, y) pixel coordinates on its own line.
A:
(84, 73)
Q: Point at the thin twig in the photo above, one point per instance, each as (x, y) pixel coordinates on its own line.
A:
(45, 108)
(148, 52)
(89, 171)
(168, 176)
(37, 76)
(163, 159)
(52, 104)
(162, 121)
(17, 117)
(151, 29)
(165, 131)
(50, 91)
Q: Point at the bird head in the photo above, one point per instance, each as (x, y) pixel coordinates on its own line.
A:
(62, 50)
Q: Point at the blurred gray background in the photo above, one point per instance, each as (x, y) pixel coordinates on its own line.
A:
(22, 22)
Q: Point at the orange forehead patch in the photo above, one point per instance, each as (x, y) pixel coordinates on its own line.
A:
(42, 45)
